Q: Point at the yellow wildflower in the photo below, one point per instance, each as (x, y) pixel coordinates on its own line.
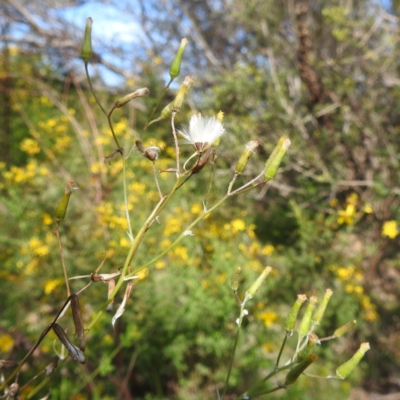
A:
(389, 229)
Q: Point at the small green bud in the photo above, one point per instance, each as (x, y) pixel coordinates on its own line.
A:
(312, 341)
(345, 369)
(175, 68)
(186, 85)
(297, 370)
(319, 313)
(62, 206)
(86, 51)
(291, 319)
(245, 157)
(125, 99)
(254, 287)
(274, 160)
(305, 323)
(235, 279)
(345, 328)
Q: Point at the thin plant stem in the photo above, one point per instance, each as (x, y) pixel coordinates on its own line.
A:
(230, 364)
(100, 105)
(128, 218)
(176, 142)
(41, 337)
(181, 236)
(38, 388)
(133, 248)
(62, 258)
(232, 182)
(280, 352)
(155, 178)
(253, 390)
(158, 103)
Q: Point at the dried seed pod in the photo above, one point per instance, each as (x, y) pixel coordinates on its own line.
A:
(74, 351)
(77, 317)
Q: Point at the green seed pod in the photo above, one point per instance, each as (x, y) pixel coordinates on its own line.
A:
(86, 51)
(345, 369)
(291, 319)
(175, 68)
(254, 287)
(345, 328)
(235, 279)
(297, 370)
(312, 341)
(127, 98)
(319, 313)
(62, 206)
(274, 160)
(245, 157)
(186, 85)
(305, 323)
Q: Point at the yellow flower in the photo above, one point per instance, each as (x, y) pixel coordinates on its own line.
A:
(51, 284)
(389, 229)
(238, 225)
(6, 343)
(269, 317)
(30, 146)
(368, 209)
(347, 216)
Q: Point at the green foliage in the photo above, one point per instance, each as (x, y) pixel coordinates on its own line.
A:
(338, 230)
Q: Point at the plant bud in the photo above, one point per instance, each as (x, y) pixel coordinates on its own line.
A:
(274, 160)
(312, 341)
(128, 97)
(175, 68)
(248, 151)
(86, 51)
(296, 371)
(291, 319)
(62, 206)
(150, 153)
(345, 328)
(319, 313)
(254, 287)
(305, 323)
(186, 85)
(345, 369)
(235, 279)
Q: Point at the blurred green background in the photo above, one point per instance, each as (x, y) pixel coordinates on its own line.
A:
(323, 73)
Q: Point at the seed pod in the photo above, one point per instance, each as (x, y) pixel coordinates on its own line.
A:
(74, 351)
(77, 317)
(254, 287)
(175, 68)
(305, 323)
(128, 97)
(186, 85)
(274, 160)
(345, 328)
(62, 206)
(291, 319)
(345, 369)
(297, 370)
(235, 279)
(319, 313)
(86, 51)
(245, 156)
